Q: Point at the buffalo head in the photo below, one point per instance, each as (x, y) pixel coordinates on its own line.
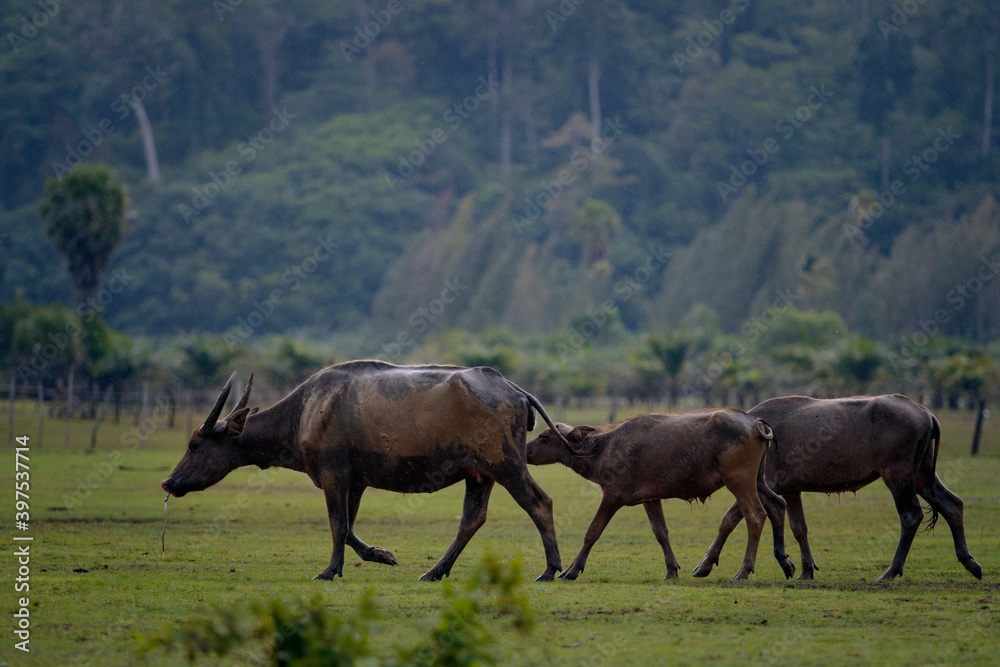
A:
(214, 450)
(549, 448)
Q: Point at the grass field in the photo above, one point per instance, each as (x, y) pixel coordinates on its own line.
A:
(97, 576)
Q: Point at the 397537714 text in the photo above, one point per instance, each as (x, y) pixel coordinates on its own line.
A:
(22, 549)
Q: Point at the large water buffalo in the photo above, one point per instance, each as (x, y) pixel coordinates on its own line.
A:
(647, 458)
(843, 444)
(360, 424)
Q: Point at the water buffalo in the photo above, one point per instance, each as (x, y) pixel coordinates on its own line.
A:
(843, 444)
(647, 458)
(360, 424)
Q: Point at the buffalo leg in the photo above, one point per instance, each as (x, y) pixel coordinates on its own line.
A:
(797, 520)
(477, 497)
(774, 505)
(526, 493)
(730, 520)
(910, 516)
(364, 551)
(336, 508)
(951, 507)
(606, 510)
(753, 512)
(654, 511)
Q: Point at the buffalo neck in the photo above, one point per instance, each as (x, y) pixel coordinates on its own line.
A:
(586, 466)
(271, 437)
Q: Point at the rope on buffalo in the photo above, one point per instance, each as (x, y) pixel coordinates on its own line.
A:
(163, 535)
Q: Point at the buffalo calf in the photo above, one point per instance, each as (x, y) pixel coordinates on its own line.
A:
(645, 459)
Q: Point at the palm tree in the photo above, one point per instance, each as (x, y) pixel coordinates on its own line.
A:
(85, 210)
(671, 349)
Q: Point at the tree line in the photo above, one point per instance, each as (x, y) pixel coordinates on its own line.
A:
(691, 365)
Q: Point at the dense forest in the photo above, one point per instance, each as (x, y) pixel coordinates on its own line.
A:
(383, 176)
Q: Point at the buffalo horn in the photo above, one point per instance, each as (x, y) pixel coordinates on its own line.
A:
(213, 416)
(243, 399)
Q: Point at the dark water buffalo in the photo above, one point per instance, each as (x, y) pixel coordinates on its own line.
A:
(838, 445)
(411, 429)
(647, 458)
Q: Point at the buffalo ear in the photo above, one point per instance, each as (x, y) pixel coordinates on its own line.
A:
(236, 422)
(579, 433)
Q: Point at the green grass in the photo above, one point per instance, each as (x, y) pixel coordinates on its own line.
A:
(257, 536)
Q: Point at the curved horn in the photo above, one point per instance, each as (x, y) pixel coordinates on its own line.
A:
(213, 416)
(243, 399)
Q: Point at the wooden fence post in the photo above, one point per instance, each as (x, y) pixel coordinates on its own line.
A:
(99, 417)
(69, 401)
(142, 414)
(978, 434)
(172, 414)
(190, 410)
(41, 413)
(10, 413)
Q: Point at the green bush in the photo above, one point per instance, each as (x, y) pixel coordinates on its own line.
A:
(307, 634)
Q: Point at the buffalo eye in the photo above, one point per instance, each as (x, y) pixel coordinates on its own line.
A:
(193, 446)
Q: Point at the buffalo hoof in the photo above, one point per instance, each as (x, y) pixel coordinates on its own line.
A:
(788, 567)
(328, 575)
(743, 574)
(570, 574)
(808, 571)
(383, 556)
(890, 574)
(974, 567)
(431, 575)
(671, 573)
(703, 570)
